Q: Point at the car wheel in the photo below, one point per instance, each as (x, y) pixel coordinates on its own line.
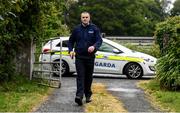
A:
(133, 71)
(64, 68)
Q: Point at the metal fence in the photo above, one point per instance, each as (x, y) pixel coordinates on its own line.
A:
(133, 40)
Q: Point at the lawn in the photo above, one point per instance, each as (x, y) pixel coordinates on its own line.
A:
(22, 95)
(163, 99)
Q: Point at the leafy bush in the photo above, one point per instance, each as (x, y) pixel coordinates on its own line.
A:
(22, 21)
(168, 67)
(18, 23)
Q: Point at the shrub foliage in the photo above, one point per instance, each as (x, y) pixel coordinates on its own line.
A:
(25, 20)
(168, 67)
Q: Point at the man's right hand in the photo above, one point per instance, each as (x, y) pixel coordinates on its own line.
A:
(72, 54)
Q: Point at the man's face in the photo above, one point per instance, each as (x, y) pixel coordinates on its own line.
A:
(85, 18)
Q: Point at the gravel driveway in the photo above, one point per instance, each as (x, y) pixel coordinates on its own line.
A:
(133, 98)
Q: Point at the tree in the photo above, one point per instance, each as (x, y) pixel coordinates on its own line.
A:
(176, 9)
(25, 20)
(19, 21)
(53, 19)
(119, 17)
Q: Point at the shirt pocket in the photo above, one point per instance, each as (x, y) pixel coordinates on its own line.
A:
(91, 35)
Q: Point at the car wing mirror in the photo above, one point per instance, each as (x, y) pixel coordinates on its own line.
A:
(116, 51)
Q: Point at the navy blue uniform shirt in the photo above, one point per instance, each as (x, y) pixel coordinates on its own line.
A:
(82, 38)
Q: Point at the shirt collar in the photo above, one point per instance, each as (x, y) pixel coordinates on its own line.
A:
(84, 25)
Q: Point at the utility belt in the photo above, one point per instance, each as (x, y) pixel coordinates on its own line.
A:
(89, 56)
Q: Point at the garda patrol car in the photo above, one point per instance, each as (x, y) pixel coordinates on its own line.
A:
(110, 58)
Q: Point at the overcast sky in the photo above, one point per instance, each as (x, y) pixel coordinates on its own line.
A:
(170, 6)
(172, 1)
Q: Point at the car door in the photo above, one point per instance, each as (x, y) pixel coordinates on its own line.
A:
(103, 61)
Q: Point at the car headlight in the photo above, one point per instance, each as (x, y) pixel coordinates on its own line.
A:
(148, 60)
(152, 68)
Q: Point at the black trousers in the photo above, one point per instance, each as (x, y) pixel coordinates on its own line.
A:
(84, 69)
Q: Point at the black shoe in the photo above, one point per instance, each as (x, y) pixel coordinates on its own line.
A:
(88, 99)
(78, 100)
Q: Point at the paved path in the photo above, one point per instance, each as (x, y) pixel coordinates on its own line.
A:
(62, 100)
(133, 98)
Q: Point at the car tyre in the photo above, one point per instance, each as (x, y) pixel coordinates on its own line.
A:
(65, 68)
(133, 71)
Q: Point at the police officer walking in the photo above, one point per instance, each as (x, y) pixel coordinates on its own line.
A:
(86, 39)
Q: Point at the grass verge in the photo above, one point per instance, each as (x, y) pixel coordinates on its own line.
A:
(103, 101)
(165, 100)
(22, 95)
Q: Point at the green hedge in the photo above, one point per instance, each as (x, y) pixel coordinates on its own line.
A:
(23, 20)
(18, 23)
(168, 66)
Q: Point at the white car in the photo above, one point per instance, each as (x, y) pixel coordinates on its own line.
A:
(110, 58)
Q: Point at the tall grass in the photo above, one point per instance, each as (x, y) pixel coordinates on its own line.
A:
(21, 95)
(164, 99)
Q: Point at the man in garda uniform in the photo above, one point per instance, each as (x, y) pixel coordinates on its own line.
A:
(87, 40)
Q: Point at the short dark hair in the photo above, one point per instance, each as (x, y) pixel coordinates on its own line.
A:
(85, 12)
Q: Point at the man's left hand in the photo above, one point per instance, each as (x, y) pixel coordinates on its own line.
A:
(91, 49)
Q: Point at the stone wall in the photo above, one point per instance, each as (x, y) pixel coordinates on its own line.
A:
(24, 58)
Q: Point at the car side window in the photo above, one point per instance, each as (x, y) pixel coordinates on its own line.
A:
(64, 44)
(106, 48)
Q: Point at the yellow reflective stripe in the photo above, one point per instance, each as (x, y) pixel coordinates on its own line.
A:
(63, 53)
(110, 57)
(134, 59)
(99, 56)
